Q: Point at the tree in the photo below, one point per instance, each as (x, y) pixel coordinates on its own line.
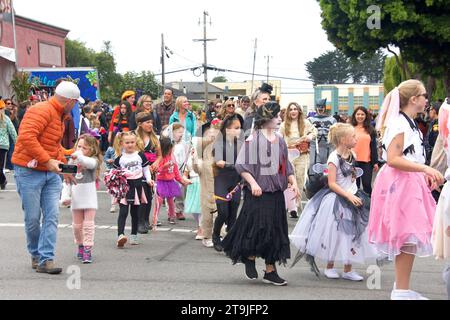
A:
(393, 76)
(420, 29)
(331, 67)
(142, 83)
(112, 84)
(78, 55)
(220, 79)
(368, 68)
(335, 67)
(108, 77)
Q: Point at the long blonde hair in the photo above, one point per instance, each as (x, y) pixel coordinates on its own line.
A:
(223, 112)
(2, 118)
(409, 89)
(140, 103)
(395, 101)
(179, 103)
(288, 120)
(119, 139)
(339, 131)
(96, 153)
(141, 134)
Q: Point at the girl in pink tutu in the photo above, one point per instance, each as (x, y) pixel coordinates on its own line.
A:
(167, 177)
(402, 207)
(441, 228)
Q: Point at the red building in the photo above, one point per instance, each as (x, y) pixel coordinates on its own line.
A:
(38, 44)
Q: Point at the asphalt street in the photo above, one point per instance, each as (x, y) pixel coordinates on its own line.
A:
(170, 265)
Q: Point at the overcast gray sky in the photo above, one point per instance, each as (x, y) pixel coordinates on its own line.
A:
(290, 31)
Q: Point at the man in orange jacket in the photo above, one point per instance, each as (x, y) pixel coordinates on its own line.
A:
(37, 156)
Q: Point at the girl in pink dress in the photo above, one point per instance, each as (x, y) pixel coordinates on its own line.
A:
(402, 207)
(441, 229)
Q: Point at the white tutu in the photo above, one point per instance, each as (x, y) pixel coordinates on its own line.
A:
(440, 240)
(320, 232)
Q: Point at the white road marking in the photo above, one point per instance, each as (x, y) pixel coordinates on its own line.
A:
(69, 226)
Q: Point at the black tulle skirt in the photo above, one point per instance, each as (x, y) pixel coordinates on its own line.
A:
(261, 230)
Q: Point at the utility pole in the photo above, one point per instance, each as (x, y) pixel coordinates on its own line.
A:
(205, 64)
(254, 66)
(165, 51)
(163, 81)
(268, 66)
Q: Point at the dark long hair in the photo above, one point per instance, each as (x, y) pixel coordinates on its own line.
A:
(367, 123)
(166, 146)
(128, 114)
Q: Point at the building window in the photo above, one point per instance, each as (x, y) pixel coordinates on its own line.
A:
(50, 55)
(343, 101)
(358, 101)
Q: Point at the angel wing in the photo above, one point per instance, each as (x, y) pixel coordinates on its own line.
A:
(359, 172)
(319, 168)
(293, 154)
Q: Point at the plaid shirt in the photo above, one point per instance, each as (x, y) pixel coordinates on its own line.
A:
(165, 112)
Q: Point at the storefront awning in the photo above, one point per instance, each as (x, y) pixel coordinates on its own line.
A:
(8, 54)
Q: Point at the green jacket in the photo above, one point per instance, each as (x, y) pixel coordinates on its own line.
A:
(7, 130)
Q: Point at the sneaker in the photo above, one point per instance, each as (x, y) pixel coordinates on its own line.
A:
(181, 217)
(199, 235)
(352, 276)
(49, 268)
(172, 221)
(134, 240)
(121, 241)
(158, 224)
(274, 278)
(208, 243)
(332, 274)
(406, 295)
(250, 269)
(87, 255)
(34, 263)
(294, 215)
(80, 252)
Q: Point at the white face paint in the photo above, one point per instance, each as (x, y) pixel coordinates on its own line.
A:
(275, 123)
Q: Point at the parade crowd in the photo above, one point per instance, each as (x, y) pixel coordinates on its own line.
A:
(375, 183)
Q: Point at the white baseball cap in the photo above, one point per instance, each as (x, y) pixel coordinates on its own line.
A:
(69, 90)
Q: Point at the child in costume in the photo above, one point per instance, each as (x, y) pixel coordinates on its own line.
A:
(441, 228)
(261, 229)
(332, 227)
(402, 207)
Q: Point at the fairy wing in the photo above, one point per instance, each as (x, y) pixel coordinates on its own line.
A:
(319, 168)
(359, 172)
(293, 154)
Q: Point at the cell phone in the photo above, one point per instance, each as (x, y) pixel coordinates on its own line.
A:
(69, 169)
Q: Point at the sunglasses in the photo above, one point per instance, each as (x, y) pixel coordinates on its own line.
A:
(425, 95)
(231, 105)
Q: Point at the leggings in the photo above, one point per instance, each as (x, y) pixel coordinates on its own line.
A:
(227, 213)
(84, 227)
(366, 177)
(123, 215)
(170, 203)
(2, 165)
(145, 209)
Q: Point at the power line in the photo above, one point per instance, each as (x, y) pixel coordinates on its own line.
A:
(237, 72)
(259, 75)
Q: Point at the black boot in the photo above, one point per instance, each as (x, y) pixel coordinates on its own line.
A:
(217, 243)
(142, 229)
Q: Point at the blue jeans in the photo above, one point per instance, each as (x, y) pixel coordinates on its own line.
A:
(40, 193)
